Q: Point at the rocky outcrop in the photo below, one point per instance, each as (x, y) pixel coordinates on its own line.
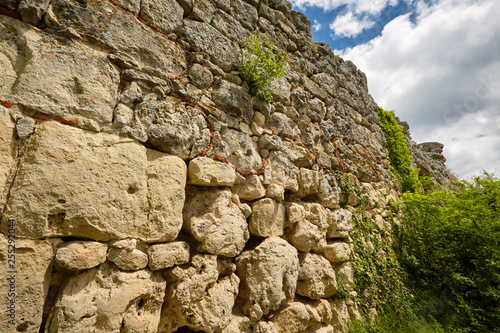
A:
(428, 159)
(144, 189)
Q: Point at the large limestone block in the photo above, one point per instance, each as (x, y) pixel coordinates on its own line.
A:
(239, 323)
(199, 297)
(267, 219)
(345, 273)
(340, 315)
(165, 15)
(310, 233)
(83, 184)
(7, 146)
(30, 283)
(229, 26)
(106, 299)
(78, 255)
(216, 222)
(166, 182)
(316, 277)
(11, 56)
(269, 276)
(173, 127)
(58, 77)
(205, 171)
(221, 50)
(116, 29)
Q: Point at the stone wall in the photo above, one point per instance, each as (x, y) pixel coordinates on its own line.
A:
(148, 191)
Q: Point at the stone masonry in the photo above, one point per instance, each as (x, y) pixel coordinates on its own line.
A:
(148, 191)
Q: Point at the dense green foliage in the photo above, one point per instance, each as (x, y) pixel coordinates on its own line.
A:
(399, 154)
(380, 283)
(449, 245)
(262, 63)
(441, 273)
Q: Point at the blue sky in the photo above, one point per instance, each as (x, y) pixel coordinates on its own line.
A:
(435, 62)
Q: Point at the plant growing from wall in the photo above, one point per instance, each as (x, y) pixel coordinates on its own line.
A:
(261, 64)
(399, 154)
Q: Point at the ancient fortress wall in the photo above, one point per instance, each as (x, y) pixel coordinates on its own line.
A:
(148, 191)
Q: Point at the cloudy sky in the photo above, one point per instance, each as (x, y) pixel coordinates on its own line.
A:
(435, 62)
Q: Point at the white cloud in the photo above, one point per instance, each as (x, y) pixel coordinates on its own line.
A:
(442, 75)
(316, 26)
(358, 6)
(350, 26)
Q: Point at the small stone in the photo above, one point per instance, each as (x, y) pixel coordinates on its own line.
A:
(25, 127)
(200, 76)
(267, 219)
(295, 212)
(337, 252)
(167, 255)
(245, 128)
(251, 189)
(256, 129)
(128, 260)
(204, 171)
(276, 192)
(259, 118)
(80, 255)
(123, 115)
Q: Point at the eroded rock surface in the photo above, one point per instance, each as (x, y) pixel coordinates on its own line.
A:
(199, 296)
(269, 276)
(105, 299)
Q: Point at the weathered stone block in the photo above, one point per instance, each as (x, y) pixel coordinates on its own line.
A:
(82, 81)
(165, 15)
(32, 262)
(216, 222)
(95, 185)
(251, 189)
(316, 277)
(337, 252)
(199, 297)
(106, 299)
(78, 255)
(267, 219)
(221, 50)
(269, 276)
(167, 255)
(204, 171)
(234, 100)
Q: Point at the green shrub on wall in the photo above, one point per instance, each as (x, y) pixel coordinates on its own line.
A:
(262, 63)
(399, 154)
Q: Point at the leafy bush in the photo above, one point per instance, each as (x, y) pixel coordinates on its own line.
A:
(399, 154)
(449, 245)
(262, 63)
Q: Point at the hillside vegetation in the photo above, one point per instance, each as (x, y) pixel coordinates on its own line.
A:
(448, 249)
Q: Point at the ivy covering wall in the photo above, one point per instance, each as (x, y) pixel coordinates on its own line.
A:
(399, 154)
